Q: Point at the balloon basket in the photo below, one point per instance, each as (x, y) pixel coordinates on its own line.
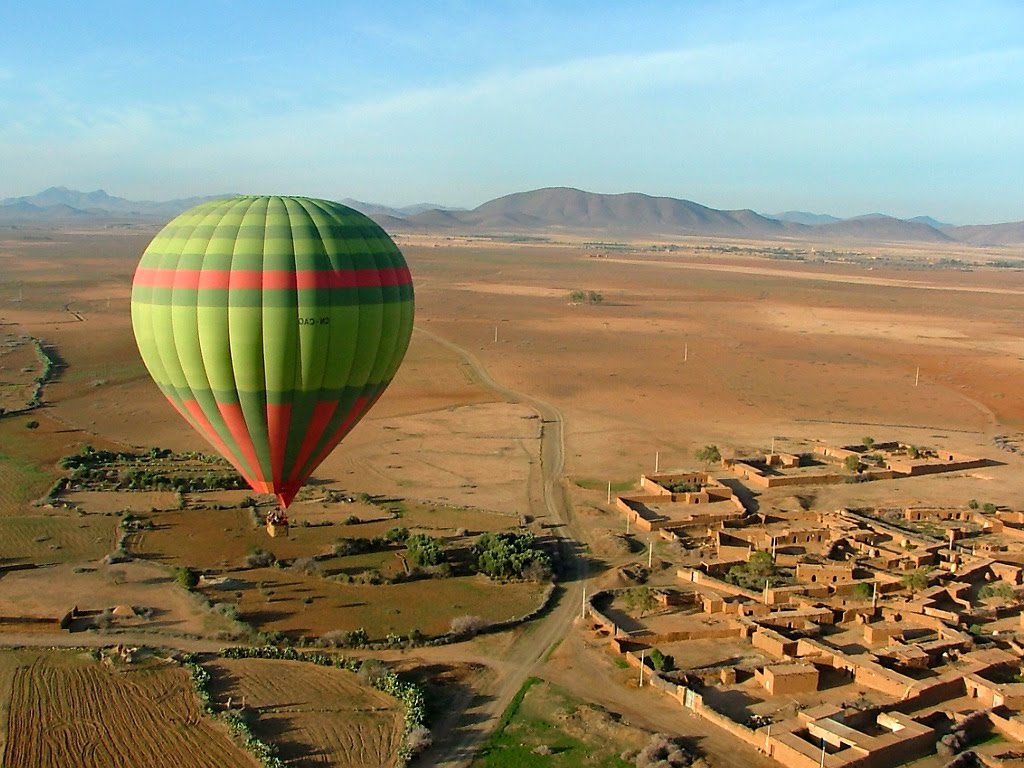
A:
(277, 529)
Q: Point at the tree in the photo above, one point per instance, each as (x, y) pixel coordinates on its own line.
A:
(32, 424)
(577, 297)
(868, 442)
(424, 550)
(662, 662)
(509, 555)
(973, 504)
(863, 591)
(759, 571)
(915, 580)
(594, 297)
(641, 599)
(709, 454)
(186, 577)
(989, 508)
(852, 462)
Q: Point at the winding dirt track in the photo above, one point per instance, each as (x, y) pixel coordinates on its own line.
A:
(527, 654)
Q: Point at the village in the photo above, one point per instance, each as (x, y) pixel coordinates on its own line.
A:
(860, 637)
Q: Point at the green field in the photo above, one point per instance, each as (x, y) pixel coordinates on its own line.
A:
(545, 726)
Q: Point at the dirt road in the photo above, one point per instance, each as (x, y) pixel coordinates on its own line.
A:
(458, 746)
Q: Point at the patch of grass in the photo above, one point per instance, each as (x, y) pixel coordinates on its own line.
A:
(21, 481)
(591, 484)
(529, 737)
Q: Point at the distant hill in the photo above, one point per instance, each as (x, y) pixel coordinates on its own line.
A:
(548, 210)
(565, 208)
(881, 227)
(1011, 233)
(803, 217)
(60, 203)
(374, 209)
(930, 222)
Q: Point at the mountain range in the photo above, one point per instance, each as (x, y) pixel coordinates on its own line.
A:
(553, 209)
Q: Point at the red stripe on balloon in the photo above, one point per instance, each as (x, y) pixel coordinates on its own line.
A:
(279, 417)
(271, 279)
(235, 420)
(322, 413)
(195, 415)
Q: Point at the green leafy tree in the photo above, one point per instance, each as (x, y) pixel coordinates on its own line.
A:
(510, 555)
(759, 570)
(186, 577)
(852, 462)
(661, 661)
(594, 297)
(578, 297)
(869, 442)
(709, 454)
(863, 591)
(424, 550)
(915, 580)
(641, 599)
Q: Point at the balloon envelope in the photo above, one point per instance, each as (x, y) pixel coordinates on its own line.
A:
(272, 324)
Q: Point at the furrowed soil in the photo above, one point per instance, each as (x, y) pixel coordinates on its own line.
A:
(65, 708)
(314, 715)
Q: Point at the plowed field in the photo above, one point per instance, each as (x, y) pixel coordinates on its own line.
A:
(67, 709)
(315, 715)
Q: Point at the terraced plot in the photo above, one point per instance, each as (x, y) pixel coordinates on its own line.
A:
(316, 716)
(67, 709)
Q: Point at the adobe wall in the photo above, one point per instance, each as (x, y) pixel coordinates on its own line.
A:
(1007, 724)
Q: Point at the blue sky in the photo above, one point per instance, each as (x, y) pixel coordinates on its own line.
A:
(845, 108)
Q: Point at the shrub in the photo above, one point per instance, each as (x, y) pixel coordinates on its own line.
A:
(1000, 589)
(306, 566)
(371, 671)
(260, 558)
(467, 625)
(186, 577)
(398, 534)
(661, 661)
(424, 550)
(32, 424)
(508, 554)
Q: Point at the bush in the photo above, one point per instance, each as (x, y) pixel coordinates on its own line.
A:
(1000, 589)
(424, 550)
(32, 424)
(508, 555)
(397, 535)
(466, 625)
(260, 558)
(306, 566)
(371, 671)
(186, 577)
(661, 661)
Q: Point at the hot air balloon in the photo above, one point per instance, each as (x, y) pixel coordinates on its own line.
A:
(272, 325)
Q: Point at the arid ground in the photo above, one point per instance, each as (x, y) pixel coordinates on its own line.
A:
(691, 343)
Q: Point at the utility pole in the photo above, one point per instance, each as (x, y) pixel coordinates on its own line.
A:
(642, 668)
(495, 334)
(627, 523)
(657, 461)
(583, 610)
(610, 493)
(650, 554)
(686, 351)
(917, 376)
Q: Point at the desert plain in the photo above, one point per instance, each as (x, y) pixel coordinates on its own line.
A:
(518, 406)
